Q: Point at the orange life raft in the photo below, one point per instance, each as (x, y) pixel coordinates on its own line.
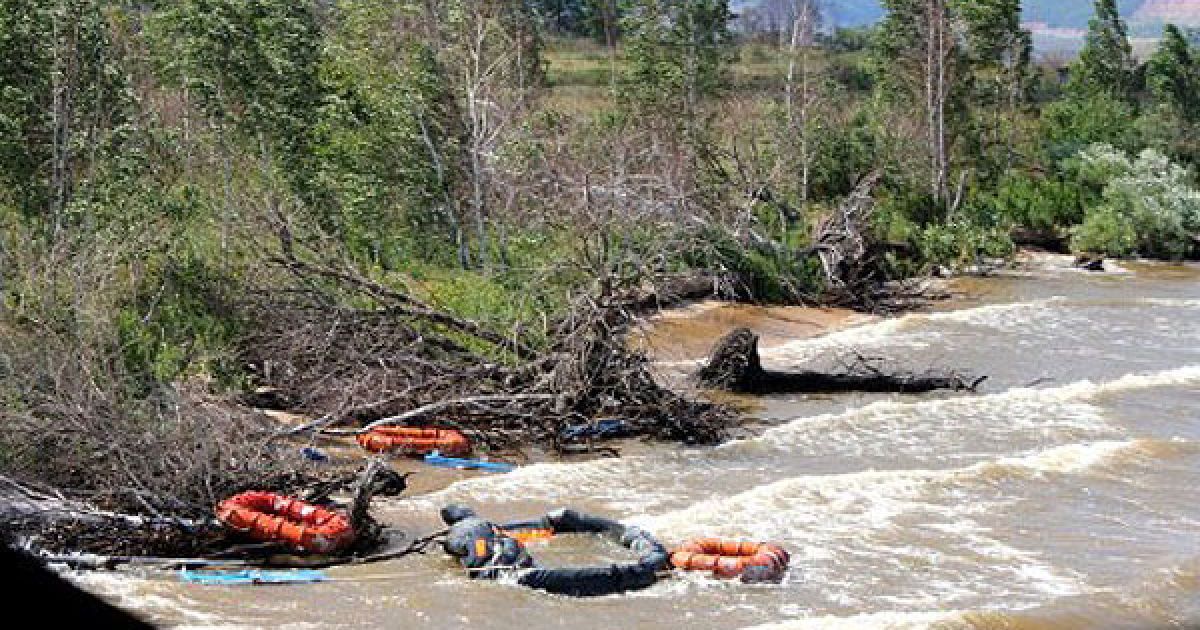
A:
(415, 440)
(731, 558)
(270, 517)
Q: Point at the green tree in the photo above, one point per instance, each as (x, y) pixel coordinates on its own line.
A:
(1070, 125)
(252, 67)
(1106, 64)
(679, 51)
(24, 95)
(61, 100)
(387, 147)
(999, 54)
(1173, 75)
(1149, 206)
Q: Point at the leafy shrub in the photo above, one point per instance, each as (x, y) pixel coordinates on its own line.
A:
(181, 323)
(961, 243)
(1106, 231)
(1150, 206)
(1036, 203)
(1071, 125)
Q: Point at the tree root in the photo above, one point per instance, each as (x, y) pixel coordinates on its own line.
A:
(734, 365)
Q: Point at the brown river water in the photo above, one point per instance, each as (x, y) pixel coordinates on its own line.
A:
(1063, 495)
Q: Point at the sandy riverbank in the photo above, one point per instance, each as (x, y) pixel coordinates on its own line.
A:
(689, 332)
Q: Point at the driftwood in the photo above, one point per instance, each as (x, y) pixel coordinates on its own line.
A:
(842, 243)
(397, 361)
(734, 365)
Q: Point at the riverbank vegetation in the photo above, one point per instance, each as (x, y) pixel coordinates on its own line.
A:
(365, 208)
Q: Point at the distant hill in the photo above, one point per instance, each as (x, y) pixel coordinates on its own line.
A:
(1057, 14)
(1185, 12)
(1058, 25)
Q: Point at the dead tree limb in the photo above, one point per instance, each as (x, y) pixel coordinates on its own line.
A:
(425, 412)
(734, 365)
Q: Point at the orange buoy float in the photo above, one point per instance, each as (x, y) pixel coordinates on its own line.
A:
(751, 561)
(415, 440)
(270, 517)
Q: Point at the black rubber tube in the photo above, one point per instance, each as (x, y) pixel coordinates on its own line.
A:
(597, 581)
(576, 582)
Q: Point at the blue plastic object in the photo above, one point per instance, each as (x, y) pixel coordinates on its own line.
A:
(606, 428)
(435, 459)
(313, 455)
(251, 576)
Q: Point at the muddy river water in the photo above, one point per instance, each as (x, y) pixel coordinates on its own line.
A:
(1066, 494)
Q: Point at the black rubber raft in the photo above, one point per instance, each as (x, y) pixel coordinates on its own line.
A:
(488, 551)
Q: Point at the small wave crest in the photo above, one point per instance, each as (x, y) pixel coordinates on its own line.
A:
(888, 331)
(875, 498)
(1020, 407)
(875, 621)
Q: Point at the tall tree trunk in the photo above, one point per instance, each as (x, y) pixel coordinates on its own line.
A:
(608, 15)
(930, 95)
(936, 93)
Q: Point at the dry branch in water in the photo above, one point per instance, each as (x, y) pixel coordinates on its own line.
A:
(734, 365)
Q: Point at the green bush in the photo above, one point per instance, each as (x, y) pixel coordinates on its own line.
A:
(1071, 125)
(1150, 205)
(1036, 203)
(773, 276)
(962, 243)
(181, 323)
(1105, 231)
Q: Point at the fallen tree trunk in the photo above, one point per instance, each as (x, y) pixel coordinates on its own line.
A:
(735, 365)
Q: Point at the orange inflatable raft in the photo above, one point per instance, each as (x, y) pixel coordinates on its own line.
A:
(731, 559)
(270, 517)
(416, 441)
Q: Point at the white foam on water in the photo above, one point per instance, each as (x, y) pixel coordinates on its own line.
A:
(1064, 407)
(875, 621)
(603, 480)
(892, 331)
(920, 531)
(925, 430)
(871, 498)
(1069, 459)
(1170, 302)
(138, 595)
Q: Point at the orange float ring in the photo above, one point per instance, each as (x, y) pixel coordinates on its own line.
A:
(270, 517)
(526, 536)
(731, 558)
(415, 440)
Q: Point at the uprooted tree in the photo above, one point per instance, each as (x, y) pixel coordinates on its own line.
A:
(735, 365)
(400, 361)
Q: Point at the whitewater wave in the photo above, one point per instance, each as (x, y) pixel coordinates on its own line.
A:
(963, 429)
(1059, 314)
(607, 481)
(1066, 406)
(893, 524)
(1009, 316)
(1171, 302)
(875, 498)
(153, 599)
(875, 621)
